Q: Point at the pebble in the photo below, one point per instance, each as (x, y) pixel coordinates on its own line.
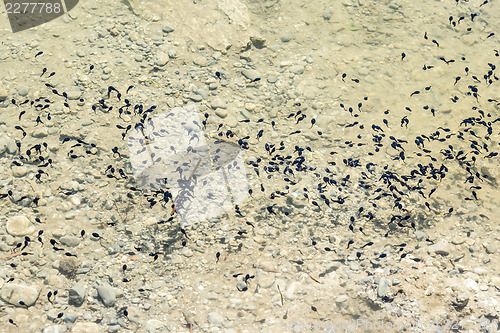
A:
(41, 132)
(107, 294)
(68, 266)
(297, 69)
(55, 329)
(249, 106)
(134, 314)
(70, 241)
(221, 113)
(490, 248)
(81, 327)
(20, 226)
(73, 93)
(200, 60)
(218, 103)
(153, 325)
(215, 318)
(187, 252)
(167, 28)
(250, 74)
(382, 288)
(441, 248)
(19, 171)
(23, 91)
(12, 293)
(161, 59)
(77, 294)
(286, 38)
(4, 93)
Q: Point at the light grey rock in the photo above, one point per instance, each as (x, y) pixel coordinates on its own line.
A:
(167, 28)
(20, 226)
(12, 293)
(134, 314)
(395, 282)
(74, 93)
(4, 93)
(218, 103)
(442, 248)
(77, 294)
(297, 69)
(19, 171)
(161, 59)
(55, 329)
(187, 252)
(258, 41)
(41, 132)
(200, 60)
(420, 235)
(153, 326)
(241, 285)
(107, 294)
(70, 241)
(23, 91)
(215, 318)
(250, 74)
(286, 38)
(382, 288)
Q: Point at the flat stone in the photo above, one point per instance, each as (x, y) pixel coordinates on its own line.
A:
(41, 132)
(77, 294)
(134, 314)
(19, 171)
(20, 226)
(23, 91)
(250, 74)
(297, 69)
(55, 329)
(382, 288)
(167, 28)
(200, 60)
(4, 93)
(441, 248)
(107, 294)
(218, 103)
(215, 318)
(68, 266)
(153, 325)
(74, 93)
(12, 293)
(161, 59)
(87, 328)
(70, 241)
(187, 252)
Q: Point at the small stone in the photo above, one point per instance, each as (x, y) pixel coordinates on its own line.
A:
(134, 314)
(12, 293)
(68, 266)
(70, 241)
(200, 60)
(221, 113)
(250, 74)
(77, 294)
(249, 106)
(241, 285)
(382, 288)
(460, 302)
(20, 226)
(74, 93)
(187, 252)
(55, 329)
(161, 59)
(286, 38)
(395, 282)
(86, 328)
(23, 92)
(297, 69)
(215, 318)
(19, 171)
(4, 93)
(441, 248)
(272, 78)
(41, 132)
(153, 325)
(490, 248)
(167, 28)
(107, 294)
(218, 103)
(258, 42)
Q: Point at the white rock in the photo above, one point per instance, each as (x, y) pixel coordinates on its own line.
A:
(86, 328)
(20, 226)
(19, 171)
(13, 293)
(215, 318)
